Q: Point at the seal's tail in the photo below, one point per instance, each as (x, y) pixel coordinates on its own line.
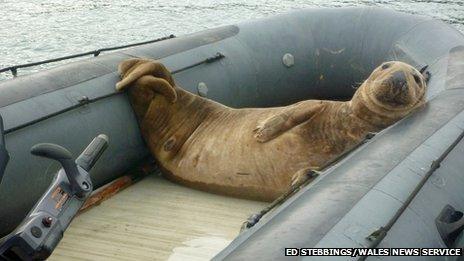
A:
(146, 74)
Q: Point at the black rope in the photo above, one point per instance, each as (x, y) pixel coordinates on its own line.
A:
(14, 69)
(377, 236)
(85, 100)
(217, 56)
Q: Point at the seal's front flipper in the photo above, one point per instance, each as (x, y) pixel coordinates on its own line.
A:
(302, 176)
(271, 127)
(287, 119)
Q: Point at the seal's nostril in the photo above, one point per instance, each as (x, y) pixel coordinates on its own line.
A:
(398, 81)
(404, 87)
(400, 86)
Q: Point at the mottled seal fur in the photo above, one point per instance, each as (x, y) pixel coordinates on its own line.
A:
(255, 152)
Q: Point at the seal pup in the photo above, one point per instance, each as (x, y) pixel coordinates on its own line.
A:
(255, 153)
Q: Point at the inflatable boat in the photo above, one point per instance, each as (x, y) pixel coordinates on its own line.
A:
(402, 187)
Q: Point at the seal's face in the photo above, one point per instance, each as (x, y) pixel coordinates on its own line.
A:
(395, 86)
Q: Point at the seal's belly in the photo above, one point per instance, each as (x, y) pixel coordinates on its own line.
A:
(222, 153)
(210, 146)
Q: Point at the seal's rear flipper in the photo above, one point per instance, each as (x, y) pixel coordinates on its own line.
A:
(128, 73)
(132, 69)
(146, 79)
(145, 89)
(158, 85)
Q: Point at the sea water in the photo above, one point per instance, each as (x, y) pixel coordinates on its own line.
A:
(33, 30)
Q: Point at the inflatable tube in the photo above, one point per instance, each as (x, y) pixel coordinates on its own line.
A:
(315, 53)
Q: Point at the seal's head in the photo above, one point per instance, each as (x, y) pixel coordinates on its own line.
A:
(396, 85)
(392, 91)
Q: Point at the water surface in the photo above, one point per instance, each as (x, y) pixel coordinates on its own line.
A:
(38, 30)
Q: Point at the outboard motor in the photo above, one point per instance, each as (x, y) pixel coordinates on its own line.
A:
(42, 229)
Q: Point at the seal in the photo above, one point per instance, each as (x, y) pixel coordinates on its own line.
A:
(256, 153)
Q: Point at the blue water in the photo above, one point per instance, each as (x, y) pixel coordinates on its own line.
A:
(32, 31)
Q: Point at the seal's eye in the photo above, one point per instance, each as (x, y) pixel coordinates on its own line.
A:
(385, 66)
(417, 79)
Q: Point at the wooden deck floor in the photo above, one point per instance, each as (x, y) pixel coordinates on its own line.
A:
(155, 219)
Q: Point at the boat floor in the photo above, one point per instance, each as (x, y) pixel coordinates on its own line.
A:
(155, 219)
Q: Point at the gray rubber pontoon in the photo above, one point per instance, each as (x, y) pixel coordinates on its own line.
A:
(316, 53)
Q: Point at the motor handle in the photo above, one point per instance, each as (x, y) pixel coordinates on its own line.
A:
(64, 157)
(92, 153)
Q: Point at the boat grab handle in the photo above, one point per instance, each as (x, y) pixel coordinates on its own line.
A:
(450, 224)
